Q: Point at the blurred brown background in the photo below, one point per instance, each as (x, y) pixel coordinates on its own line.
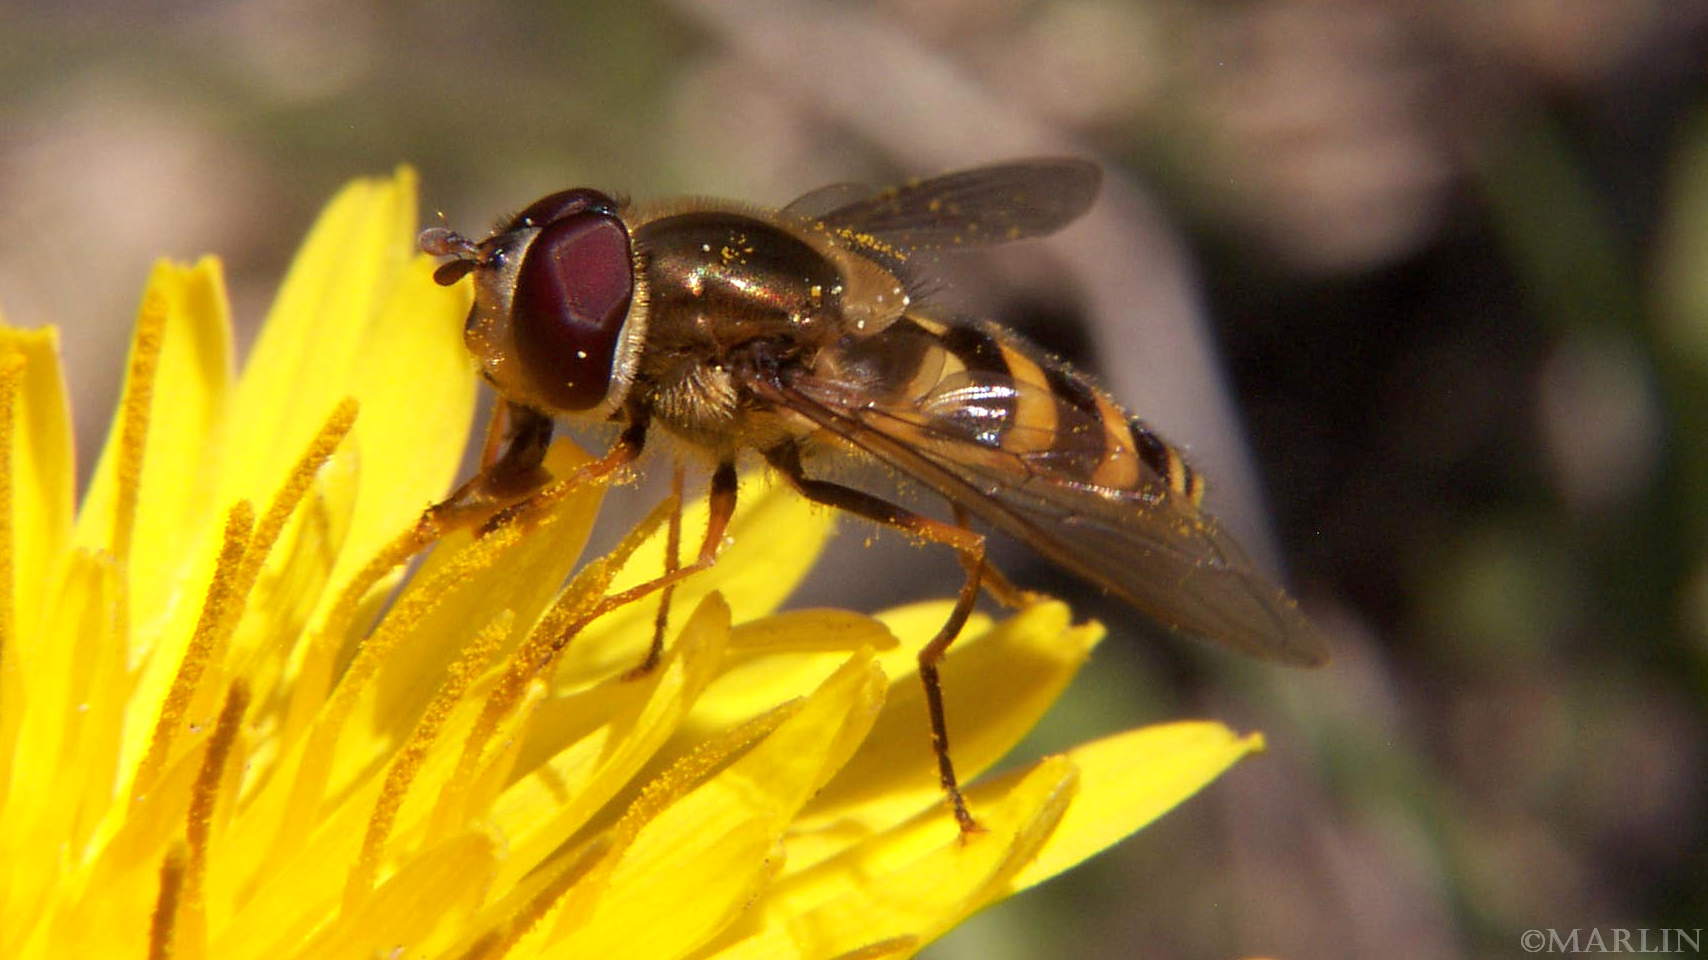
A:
(1422, 287)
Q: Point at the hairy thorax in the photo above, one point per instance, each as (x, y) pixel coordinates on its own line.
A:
(726, 293)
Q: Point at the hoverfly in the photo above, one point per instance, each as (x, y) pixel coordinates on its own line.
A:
(795, 333)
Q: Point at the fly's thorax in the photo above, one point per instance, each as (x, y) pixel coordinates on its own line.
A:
(719, 278)
(724, 285)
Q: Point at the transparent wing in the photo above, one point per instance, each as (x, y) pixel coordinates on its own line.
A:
(986, 205)
(1146, 545)
(817, 204)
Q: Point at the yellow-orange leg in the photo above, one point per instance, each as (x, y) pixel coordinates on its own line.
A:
(720, 501)
(968, 546)
(721, 507)
(511, 483)
(516, 483)
(507, 474)
(1000, 588)
(672, 562)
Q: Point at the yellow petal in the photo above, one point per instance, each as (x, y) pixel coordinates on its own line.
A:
(908, 885)
(417, 395)
(1130, 779)
(811, 631)
(80, 658)
(772, 543)
(420, 908)
(624, 722)
(149, 497)
(159, 518)
(359, 316)
(900, 889)
(701, 860)
(302, 362)
(996, 686)
(773, 659)
(42, 479)
(36, 481)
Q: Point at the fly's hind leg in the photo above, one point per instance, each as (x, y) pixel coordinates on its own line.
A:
(968, 546)
(1001, 589)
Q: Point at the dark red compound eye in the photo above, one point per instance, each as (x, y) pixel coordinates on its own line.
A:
(572, 296)
(564, 203)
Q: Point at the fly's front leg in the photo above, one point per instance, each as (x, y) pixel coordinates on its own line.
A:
(517, 484)
(968, 546)
(509, 471)
(508, 484)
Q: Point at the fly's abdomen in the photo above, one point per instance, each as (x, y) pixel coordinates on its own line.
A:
(984, 384)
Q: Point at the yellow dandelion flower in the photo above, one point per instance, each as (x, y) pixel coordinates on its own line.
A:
(227, 730)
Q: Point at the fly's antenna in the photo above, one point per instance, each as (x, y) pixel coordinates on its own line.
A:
(445, 242)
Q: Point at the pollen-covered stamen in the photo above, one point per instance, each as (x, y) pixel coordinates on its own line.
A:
(163, 925)
(235, 579)
(137, 408)
(198, 821)
(407, 764)
(430, 529)
(211, 627)
(296, 485)
(536, 655)
(11, 377)
(676, 781)
(319, 747)
(697, 766)
(504, 923)
(342, 615)
(286, 501)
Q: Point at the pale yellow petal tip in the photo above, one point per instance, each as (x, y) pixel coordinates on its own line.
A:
(1091, 626)
(405, 177)
(1129, 780)
(384, 200)
(44, 338)
(198, 286)
(206, 275)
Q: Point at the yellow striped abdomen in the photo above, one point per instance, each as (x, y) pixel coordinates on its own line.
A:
(1011, 398)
